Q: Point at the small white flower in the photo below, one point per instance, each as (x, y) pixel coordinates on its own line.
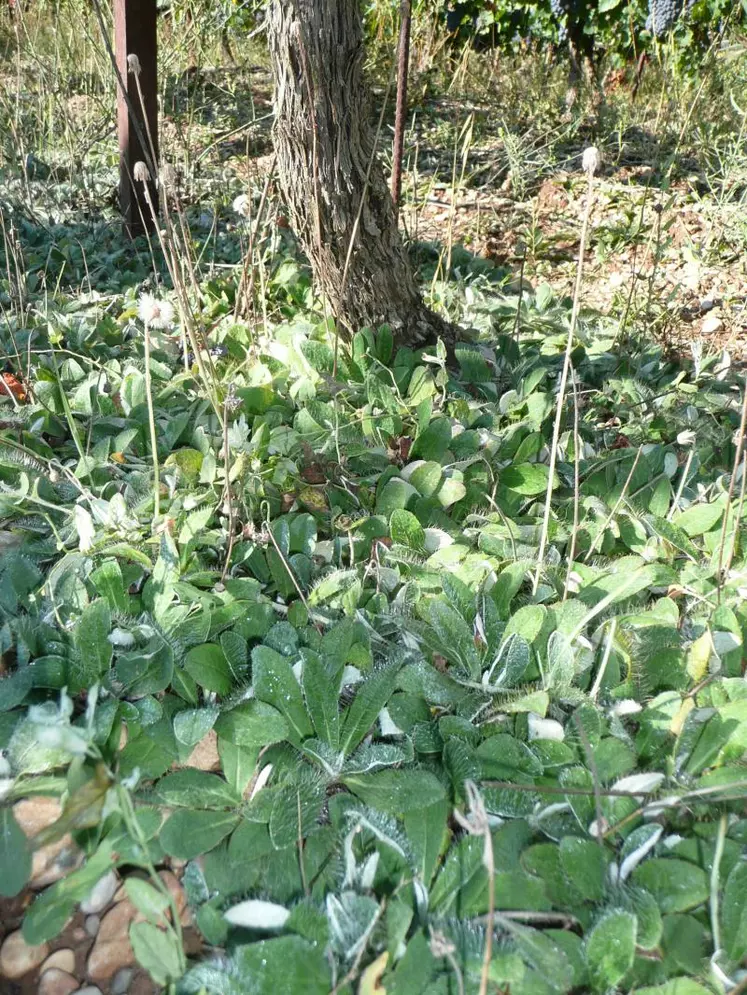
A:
(628, 706)
(155, 313)
(262, 778)
(133, 64)
(686, 438)
(140, 172)
(257, 914)
(85, 528)
(639, 783)
(242, 205)
(544, 728)
(591, 160)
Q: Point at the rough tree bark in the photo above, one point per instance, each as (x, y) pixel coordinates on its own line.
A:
(333, 184)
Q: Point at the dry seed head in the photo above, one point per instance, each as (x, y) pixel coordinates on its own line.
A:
(133, 64)
(242, 205)
(155, 313)
(591, 160)
(140, 172)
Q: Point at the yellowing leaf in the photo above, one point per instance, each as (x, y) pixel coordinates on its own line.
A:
(699, 655)
(372, 975)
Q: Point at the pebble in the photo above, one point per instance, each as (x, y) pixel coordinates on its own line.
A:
(63, 959)
(52, 862)
(205, 754)
(56, 982)
(707, 304)
(101, 894)
(121, 981)
(88, 990)
(18, 958)
(112, 949)
(711, 324)
(92, 925)
(178, 894)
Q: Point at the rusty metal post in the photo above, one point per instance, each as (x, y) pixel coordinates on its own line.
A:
(135, 46)
(401, 115)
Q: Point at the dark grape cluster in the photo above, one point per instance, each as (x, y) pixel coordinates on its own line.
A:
(663, 15)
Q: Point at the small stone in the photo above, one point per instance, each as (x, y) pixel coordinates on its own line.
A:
(178, 894)
(121, 981)
(88, 990)
(18, 958)
(92, 924)
(63, 960)
(711, 324)
(112, 949)
(101, 894)
(205, 754)
(79, 934)
(52, 862)
(707, 304)
(56, 982)
(141, 984)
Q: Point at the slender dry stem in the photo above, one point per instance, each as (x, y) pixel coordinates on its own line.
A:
(564, 380)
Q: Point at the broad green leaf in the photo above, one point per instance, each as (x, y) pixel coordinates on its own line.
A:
(144, 672)
(734, 913)
(252, 724)
(676, 884)
(560, 661)
(584, 863)
(158, 951)
(147, 900)
(275, 683)
(406, 530)
(676, 986)
(610, 949)
(295, 811)
(208, 665)
(187, 833)
(463, 867)
(321, 688)
(286, 964)
(527, 622)
(109, 583)
(191, 725)
(191, 788)
(15, 855)
(371, 696)
(426, 478)
(700, 518)
(397, 792)
(427, 832)
(433, 443)
(525, 478)
(93, 651)
(396, 493)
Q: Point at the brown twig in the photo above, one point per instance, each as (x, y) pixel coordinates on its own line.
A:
(403, 64)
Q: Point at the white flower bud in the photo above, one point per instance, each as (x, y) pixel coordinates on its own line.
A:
(140, 172)
(591, 160)
(133, 64)
(242, 205)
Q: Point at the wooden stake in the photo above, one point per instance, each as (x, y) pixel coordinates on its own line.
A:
(401, 115)
(135, 36)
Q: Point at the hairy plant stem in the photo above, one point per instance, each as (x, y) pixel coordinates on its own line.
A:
(564, 380)
(152, 427)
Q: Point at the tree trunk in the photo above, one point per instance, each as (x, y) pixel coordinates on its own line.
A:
(332, 182)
